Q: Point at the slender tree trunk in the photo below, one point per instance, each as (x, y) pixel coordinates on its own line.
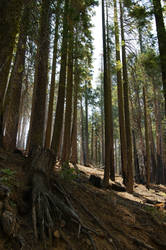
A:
(41, 81)
(161, 34)
(112, 170)
(135, 151)
(53, 74)
(147, 166)
(140, 39)
(158, 119)
(86, 124)
(62, 82)
(129, 184)
(138, 119)
(153, 152)
(164, 149)
(68, 113)
(102, 115)
(107, 107)
(9, 20)
(96, 147)
(136, 161)
(120, 100)
(83, 135)
(13, 105)
(22, 102)
(92, 141)
(23, 134)
(115, 157)
(74, 126)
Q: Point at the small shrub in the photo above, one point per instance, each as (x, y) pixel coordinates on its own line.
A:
(68, 174)
(8, 177)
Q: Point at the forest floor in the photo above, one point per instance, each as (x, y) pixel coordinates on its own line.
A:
(119, 220)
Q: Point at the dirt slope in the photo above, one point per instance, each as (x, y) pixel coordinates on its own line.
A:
(115, 220)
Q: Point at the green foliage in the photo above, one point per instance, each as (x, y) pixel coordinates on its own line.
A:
(151, 62)
(139, 12)
(8, 177)
(68, 174)
(8, 172)
(157, 214)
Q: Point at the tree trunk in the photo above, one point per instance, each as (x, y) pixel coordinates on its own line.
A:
(159, 170)
(92, 141)
(62, 82)
(86, 124)
(107, 106)
(120, 100)
(53, 74)
(136, 161)
(138, 119)
(112, 169)
(129, 184)
(152, 152)
(11, 115)
(161, 34)
(41, 81)
(83, 135)
(147, 166)
(164, 149)
(74, 126)
(9, 20)
(68, 113)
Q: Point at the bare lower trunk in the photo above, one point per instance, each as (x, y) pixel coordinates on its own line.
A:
(74, 127)
(147, 166)
(107, 107)
(129, 184)
(68, 112)
(161, 34)
(41, 79)
(120, 100)
(53, 74)
(83, 135)
(62, 82)
(9, 20)
(12, 109)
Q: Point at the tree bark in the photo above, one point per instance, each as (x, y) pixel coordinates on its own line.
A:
(147, 163)
(74, 126)
(136, 161)
(120, 99)
(68, 112)
(112, 168)
(129, 184)
(152, 152)
(161, 34)
(62, 82)
(11, 115)
(107, 107)
(86, 124)
(53, 74)
(83, 135)
(92, 141)
(9, 20)
(41, 81)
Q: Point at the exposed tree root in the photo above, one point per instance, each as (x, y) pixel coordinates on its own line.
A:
(109, 237)
(63, 236)
(8, 219)
(140, 243)
(48, 210)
